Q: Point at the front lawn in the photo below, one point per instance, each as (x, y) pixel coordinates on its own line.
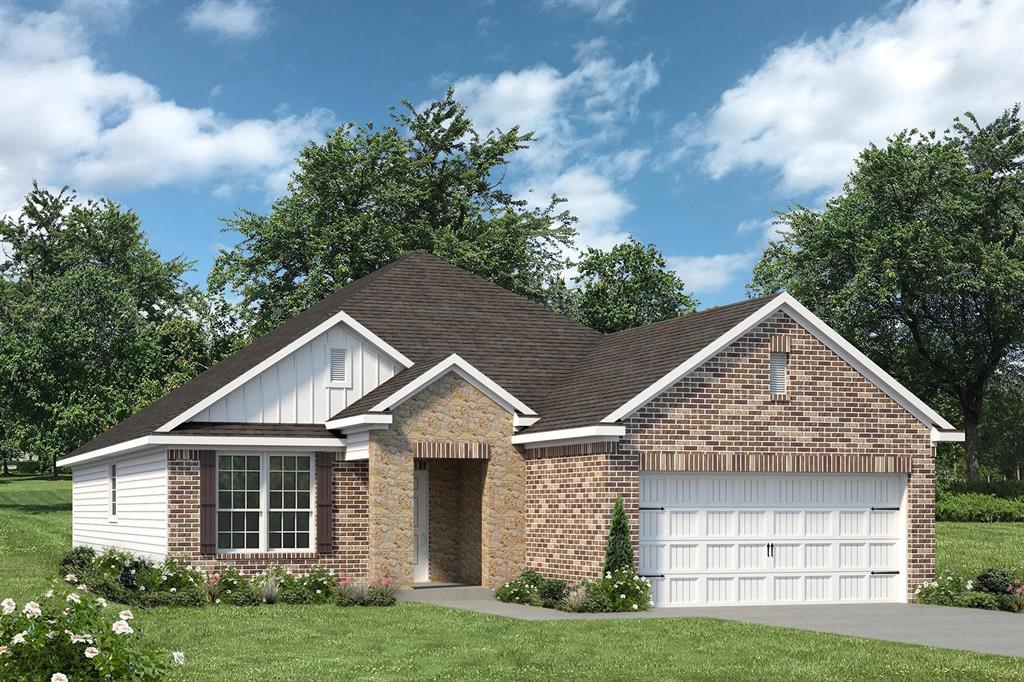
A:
(969, 548)
(419, 641)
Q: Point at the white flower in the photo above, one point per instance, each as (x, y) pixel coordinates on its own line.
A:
(58, 677)
(49, 593)
(91, 652)
(318, 591)
(622, 596)
(9, 606)
(635, 607)
(102, 602)
(970, 585)
(173, 590)
(76, 639)
(178, 657)
(83, 587)
(121, 627)
(32, 610)
(74, 597)
(3, 650)
(71, 578)
(125, 615)
(19, 638)
(142, 588)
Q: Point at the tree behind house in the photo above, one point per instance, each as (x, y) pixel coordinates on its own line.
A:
(920, 260)
(619, 553)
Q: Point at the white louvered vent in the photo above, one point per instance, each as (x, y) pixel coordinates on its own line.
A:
(777, 374)
(339, 365)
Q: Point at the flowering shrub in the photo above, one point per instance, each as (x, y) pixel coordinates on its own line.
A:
(381, 592)
(70, 634)
(992, 589)
(995, 581)
(350, 592)
(943, 591)
(622, 590)
(522, 590)
(234, 588)
(132, 580)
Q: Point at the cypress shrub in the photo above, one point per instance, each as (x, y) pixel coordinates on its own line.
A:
(619, 554)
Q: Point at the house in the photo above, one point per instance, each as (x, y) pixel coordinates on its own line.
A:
(425, 423)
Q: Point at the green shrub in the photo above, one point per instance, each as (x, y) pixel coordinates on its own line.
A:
(351, 592)
(619, 591)
(78, 561)
(73, 633)
(552, 592)
(995, 581)
(977, 507)
(237, 590)
(943, 591)
(28, 467)
(522, 590)
(618, 555)
(1006, 489)
(977, 600)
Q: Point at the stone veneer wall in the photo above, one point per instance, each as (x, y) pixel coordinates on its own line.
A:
(456, 497)
(570, 492)
(721, 418)
(349, 556)
(450, 409)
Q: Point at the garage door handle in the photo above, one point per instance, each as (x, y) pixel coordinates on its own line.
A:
(885, 572)
(652, 575)
(885, 509)
(652, 509)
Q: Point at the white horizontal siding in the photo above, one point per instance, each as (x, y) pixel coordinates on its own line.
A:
(295, 390)
(141, 523)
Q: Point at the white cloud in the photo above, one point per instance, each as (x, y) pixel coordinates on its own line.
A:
(578, 118)
(230, 18)
(813, 106)
(66, 120)
(711, 274)
(600, 10)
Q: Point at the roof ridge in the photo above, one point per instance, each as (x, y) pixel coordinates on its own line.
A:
(691, 316)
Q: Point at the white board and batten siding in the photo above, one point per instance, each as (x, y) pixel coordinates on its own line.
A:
(141, 522)
(298, 389)
(712, 539)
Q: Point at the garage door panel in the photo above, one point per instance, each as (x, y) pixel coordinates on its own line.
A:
(772, 538)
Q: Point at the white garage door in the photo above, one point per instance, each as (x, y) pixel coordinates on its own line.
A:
(770, 538)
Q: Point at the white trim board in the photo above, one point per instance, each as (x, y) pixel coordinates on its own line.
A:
(583, 434)
(808, 320)
(454, 363)
(328, 442)
(366, 421)
(339, 317)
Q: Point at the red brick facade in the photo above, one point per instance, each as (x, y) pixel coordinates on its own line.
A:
(350, 555)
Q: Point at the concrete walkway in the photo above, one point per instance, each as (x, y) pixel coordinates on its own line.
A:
(988, 632)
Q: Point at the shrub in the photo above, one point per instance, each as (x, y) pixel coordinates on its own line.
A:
(315, 588)
(1016, 602)
(351, 592)
(943, 591)
(28, 467)
(72, 632)
(977, 600)
(619, 591)
(551, 592)
(575, 598)
(212, 588)
(381, 592)
(237, 590)
(618, 554)
(522, 590)
(977, 507)
(995, 581)
(1008, 489)
(268, 585)
(78, 561)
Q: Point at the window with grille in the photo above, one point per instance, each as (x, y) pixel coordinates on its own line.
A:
(264, 502)
(113, 490)
(338, 372)
(777, 375)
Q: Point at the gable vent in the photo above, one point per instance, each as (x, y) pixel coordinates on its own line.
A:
(777, 375)
(339, 365)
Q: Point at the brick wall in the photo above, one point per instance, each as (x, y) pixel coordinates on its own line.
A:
(350, 554)
(570, 492)
(722, 418)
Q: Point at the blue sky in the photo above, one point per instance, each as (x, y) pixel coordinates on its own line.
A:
(682, 123)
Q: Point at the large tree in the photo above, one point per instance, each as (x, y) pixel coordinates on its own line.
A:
(365, 196)
(94, 324)
(920, 260)
(627, 286)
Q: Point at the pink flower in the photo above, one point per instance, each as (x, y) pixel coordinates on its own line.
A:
(213, 579)
(344, 580)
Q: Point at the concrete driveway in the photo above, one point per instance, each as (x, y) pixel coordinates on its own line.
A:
(987, 632)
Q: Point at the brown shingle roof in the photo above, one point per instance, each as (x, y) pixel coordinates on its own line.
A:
(241, 429)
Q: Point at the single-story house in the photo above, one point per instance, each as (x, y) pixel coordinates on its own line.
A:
(425, 423)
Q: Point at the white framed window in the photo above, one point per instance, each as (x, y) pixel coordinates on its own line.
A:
(777, 375)
(265, 502)
(113, 492)
(339, 367)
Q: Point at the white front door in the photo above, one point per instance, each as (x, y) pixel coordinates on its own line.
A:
(772, 538)
(421, 527)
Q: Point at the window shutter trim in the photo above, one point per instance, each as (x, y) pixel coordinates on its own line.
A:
(324, 502)
(207, 502)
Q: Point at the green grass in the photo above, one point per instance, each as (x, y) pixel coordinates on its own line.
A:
(424, 642)
(969, 548)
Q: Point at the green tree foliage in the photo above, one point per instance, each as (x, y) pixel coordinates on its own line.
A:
(619, 553)
(1002, 422)
(920, 261)
(93, 323)
(627, 286)
(366, 196)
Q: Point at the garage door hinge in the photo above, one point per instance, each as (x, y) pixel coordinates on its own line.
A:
(651, 575)
(652, 509)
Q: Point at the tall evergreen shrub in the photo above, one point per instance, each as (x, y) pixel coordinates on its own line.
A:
(619, 553)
